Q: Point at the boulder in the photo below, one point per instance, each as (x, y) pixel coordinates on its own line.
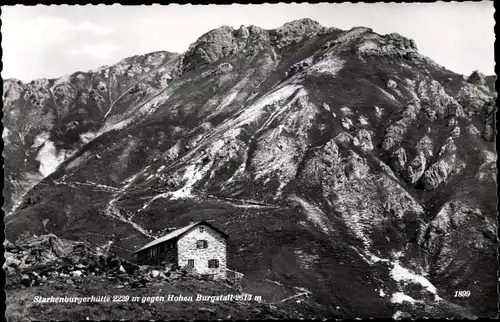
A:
(242, 32)
(9, 246)
(224, 68)
(392, 84)
(129, 267)
(25, 280)
(76, 273)
(167, 269)
(113, 262)
(11, 260)
(477, 78)
(416, 168)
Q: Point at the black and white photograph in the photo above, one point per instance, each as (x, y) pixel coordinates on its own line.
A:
(249, 161)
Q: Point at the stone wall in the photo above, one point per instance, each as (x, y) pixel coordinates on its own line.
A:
(216, 249)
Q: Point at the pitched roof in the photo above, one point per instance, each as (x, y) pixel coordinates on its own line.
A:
(177, 233)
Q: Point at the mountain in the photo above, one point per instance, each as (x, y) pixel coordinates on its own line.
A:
(342, 162)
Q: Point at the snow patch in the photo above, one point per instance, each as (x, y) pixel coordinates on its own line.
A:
(87, 137)
(398, 315)
(49, 158)
(193, 174)
(399, 273)
(400, 297)
(41, 139)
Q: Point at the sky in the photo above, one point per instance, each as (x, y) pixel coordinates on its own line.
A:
(53, 41)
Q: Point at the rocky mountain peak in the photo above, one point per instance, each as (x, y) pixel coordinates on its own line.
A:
(213, 46)
(477, 78)
(294, 31)
(302, 26)
(392, 45)
(225, 41)
(242, 32)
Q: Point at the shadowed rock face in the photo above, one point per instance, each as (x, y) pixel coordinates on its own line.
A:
(352, 143)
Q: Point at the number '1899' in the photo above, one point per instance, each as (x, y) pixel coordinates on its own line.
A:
(462, 293)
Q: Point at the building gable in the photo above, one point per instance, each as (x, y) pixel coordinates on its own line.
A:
(203, 248)
(178, 233)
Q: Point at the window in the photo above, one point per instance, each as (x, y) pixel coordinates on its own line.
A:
(202, 229)
(201, 244)
(190, 262)
(213, 263)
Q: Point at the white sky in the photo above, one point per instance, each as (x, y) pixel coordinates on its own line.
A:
(51, 41)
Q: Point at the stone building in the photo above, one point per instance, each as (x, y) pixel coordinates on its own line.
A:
(199, 245)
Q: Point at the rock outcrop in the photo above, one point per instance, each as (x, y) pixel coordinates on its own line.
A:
(392, 45)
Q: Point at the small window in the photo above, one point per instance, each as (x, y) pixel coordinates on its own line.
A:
(202, 229)
(201, 244)
(190, 262)
(213, 263)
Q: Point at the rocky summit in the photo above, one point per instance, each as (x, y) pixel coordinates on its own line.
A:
(342, 162)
